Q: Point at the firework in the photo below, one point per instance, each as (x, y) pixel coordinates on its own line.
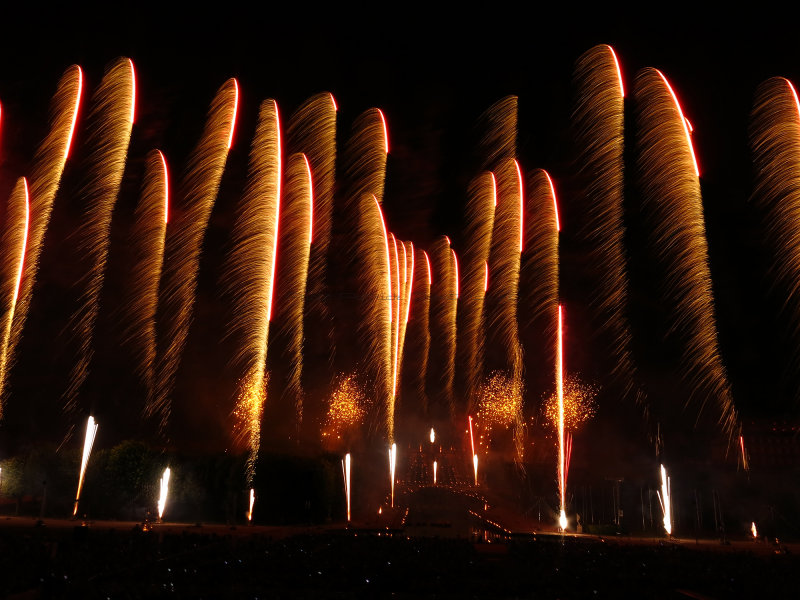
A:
(472, 447)
(598, 120)
(197, 192)
(434, 472)
(441, 365)
(295, 243)
(754, 530)
(346, 473)
(377, 327)
(775, 146)
(365, 157)
(418, 337)
(578, 404)
(406, 290)
(14, 244)
(148, 234)
(164, 490)
(251, 273)
(312, 131)
(88, 442)
(432, 436)
(251, 503)
(562, 467)
(499, 402)
(347, 408)
(110, 124)
(665, 499)
(499, 139)
(392, 467)
(674, 209)
(481, 201)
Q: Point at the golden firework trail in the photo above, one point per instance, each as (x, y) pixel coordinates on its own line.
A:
(88, 442)
(441, 365)
(407, 289)
(499, 140)
(163, 492)
(14, 245)
(295, 245)
(148, 236)
(775, 147)
(109, 134)
(504, 350)
(394, 269)
(562, 465)
(499, 402)
(251, 271)
(538, 306)
(365, 157)
(346, 475)
(392, 467)
(418, 338)
(673, 206)
(378, 323)
(665, 498)
(195, 200)
(598, 120)
(48, 165)
(481, 202)
(312, 131)
(347, 407)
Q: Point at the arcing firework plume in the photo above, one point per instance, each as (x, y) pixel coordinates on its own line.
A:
(441, 361)
(481, 200)
(295, 244)
(365, 157)
(48, 165)
(197, 193)
(672, 203)
(504, 351)
(148, 235)
(312, 131)
(418, 336)
(406, 288)
(14, 244)
(252, 270)
(110, 124)
(376, 281)
(599, 124)
(775, 144)
(499, 133)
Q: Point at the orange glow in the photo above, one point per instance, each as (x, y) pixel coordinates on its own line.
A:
(455, 267)
(619, 71)
(388, 261)
(562, 474)
(471, 436)
(385, 130)
(236, 111)
(485, 276)
(794, 95)
(277, 206)
(684, 121)
(430, 275)
(448, 241)
(521, 206)
(311, 201)
(166, 187)
(24, 244)
(133, 92)
(74, 113)
(689, 125)
(555, 200)
(333, 101)
(397, 320)
(494, 189)
(410, 283)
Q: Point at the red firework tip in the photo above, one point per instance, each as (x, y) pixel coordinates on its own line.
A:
(133, 91)
(388, 260)
(494, 188)
(385, 130)
(428, 261)
(75, 111)
(619, 71)
(555, 200)
(166, 186)
(310, 200)
(683, 120)
(333, 101)
(521, 206)
(235, 112)
(455, 268)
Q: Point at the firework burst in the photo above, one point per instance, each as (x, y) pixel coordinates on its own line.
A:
(347, 408)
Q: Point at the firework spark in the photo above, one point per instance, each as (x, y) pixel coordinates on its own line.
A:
(598, 120)
(110, 124)
(578, 405)
(347, 408)
(441, 366)
(197, 193)
(499, 402)
(562, 467)
(365, 157)
(346, 473)
(673, 206)
(147, 237)
(481, 202)
(665, 499)
(499, 127)
(418, 335)
(88, 442)
(163, 491)
(14, 245)
(392, 467)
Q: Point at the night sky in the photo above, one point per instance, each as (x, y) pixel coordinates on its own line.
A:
(433, 77)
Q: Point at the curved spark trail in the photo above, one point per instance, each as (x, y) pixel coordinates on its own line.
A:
(481, 202)
(598, 120)
(251, 272)
(295, 244)
(775, 147)
(418, 337)
(14, 245)
(499, 126)
(674, 210)
(147, 238)
(197, 192)
(441, 361)
(365, 158)
(110, 124)
(48, 165)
